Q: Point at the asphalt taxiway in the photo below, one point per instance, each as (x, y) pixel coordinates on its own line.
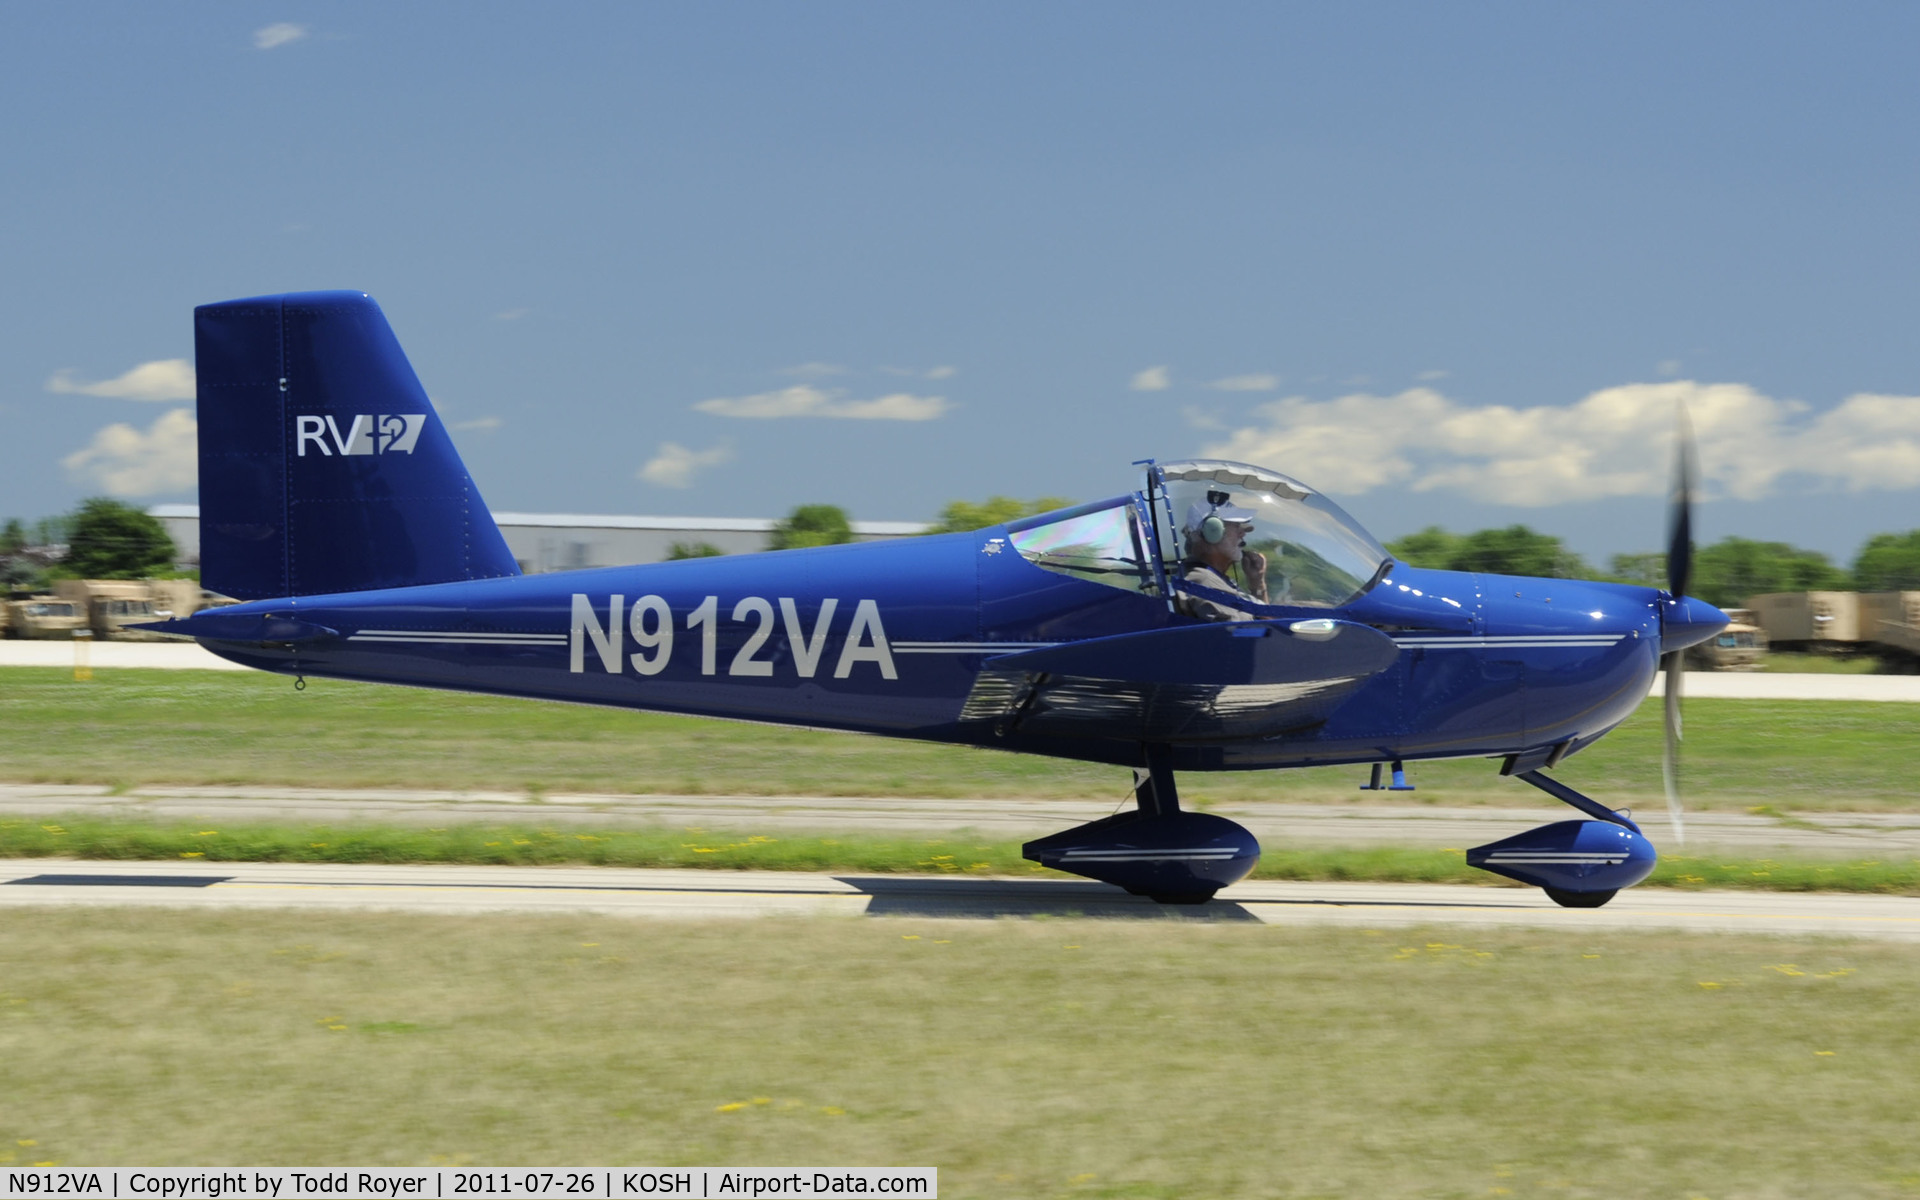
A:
(26, 883)
(1749, 835)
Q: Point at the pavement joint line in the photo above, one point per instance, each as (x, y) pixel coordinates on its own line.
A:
(522, 888)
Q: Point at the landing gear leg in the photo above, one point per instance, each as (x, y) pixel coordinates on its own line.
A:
(1157, 849)
(1154, 792)
(1578, 864)
(1155, 795)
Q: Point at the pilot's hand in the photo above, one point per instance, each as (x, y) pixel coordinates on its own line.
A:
(1253, 565)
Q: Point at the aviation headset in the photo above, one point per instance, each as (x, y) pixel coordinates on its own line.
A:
(1213, 529)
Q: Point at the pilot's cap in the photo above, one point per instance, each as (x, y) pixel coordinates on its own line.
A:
(1200, 510)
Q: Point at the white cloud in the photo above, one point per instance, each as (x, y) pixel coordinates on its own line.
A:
(805, 400)
(675, 465)
(1153, 379)
(814, 370)
(267, 37)
(896, 406)
(1430, 376)
(942, 372)
(164, 379)
(479, 424)
(125, 462)
(1615, 442)
(1246, 383)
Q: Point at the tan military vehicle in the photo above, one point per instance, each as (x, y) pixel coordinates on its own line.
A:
(1815, 620)
(44, 617)
(1892, 619)
(113, 606)
(1741, 646)
(178, 597)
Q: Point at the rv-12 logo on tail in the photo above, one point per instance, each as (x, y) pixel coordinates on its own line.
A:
(388, 433)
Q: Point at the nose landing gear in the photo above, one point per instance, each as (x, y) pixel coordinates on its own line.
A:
(1578, 864)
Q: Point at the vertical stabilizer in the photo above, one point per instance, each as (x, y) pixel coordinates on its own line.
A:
(323, 468)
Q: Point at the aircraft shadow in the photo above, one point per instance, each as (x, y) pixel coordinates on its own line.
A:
(988, 898)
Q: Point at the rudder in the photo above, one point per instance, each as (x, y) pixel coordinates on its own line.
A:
(323, 467)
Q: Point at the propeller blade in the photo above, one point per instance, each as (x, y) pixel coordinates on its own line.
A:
(1670, 756)
(1680, 509)
(1679, 576)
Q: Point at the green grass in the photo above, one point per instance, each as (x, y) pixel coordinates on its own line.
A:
(1057, 1058)
(1795, 663)
(128, 728)
(525, 845)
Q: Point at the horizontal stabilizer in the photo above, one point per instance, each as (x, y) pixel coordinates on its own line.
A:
(257, 629)
(1241, 652)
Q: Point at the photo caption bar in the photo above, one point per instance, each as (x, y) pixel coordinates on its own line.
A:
(467, 1183)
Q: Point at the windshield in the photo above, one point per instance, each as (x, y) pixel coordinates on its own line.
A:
(1316, 555)
(1100, 543)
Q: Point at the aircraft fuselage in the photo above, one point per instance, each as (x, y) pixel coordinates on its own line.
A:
(899, 638)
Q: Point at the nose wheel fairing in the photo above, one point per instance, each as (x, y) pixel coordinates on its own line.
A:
(1579, 864)
(1571, 857)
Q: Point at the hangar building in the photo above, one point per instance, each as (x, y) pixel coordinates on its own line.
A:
(569, 541)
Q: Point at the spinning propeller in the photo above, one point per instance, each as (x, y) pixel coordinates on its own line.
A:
(1679, 575)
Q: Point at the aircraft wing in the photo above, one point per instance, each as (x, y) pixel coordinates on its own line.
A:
(1191, 683)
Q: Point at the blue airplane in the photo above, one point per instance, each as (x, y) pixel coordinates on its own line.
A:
(1217, 617)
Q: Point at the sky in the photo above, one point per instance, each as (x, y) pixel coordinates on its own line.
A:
(1450, 264)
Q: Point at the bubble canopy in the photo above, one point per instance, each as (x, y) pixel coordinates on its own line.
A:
(1317, 555)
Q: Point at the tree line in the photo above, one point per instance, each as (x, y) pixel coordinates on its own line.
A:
(102, 539)
(105, 539)
(1724, 573)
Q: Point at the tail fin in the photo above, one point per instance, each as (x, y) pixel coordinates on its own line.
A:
(323, 468)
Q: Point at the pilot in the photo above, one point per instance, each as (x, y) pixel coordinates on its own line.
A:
(1216, 531)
